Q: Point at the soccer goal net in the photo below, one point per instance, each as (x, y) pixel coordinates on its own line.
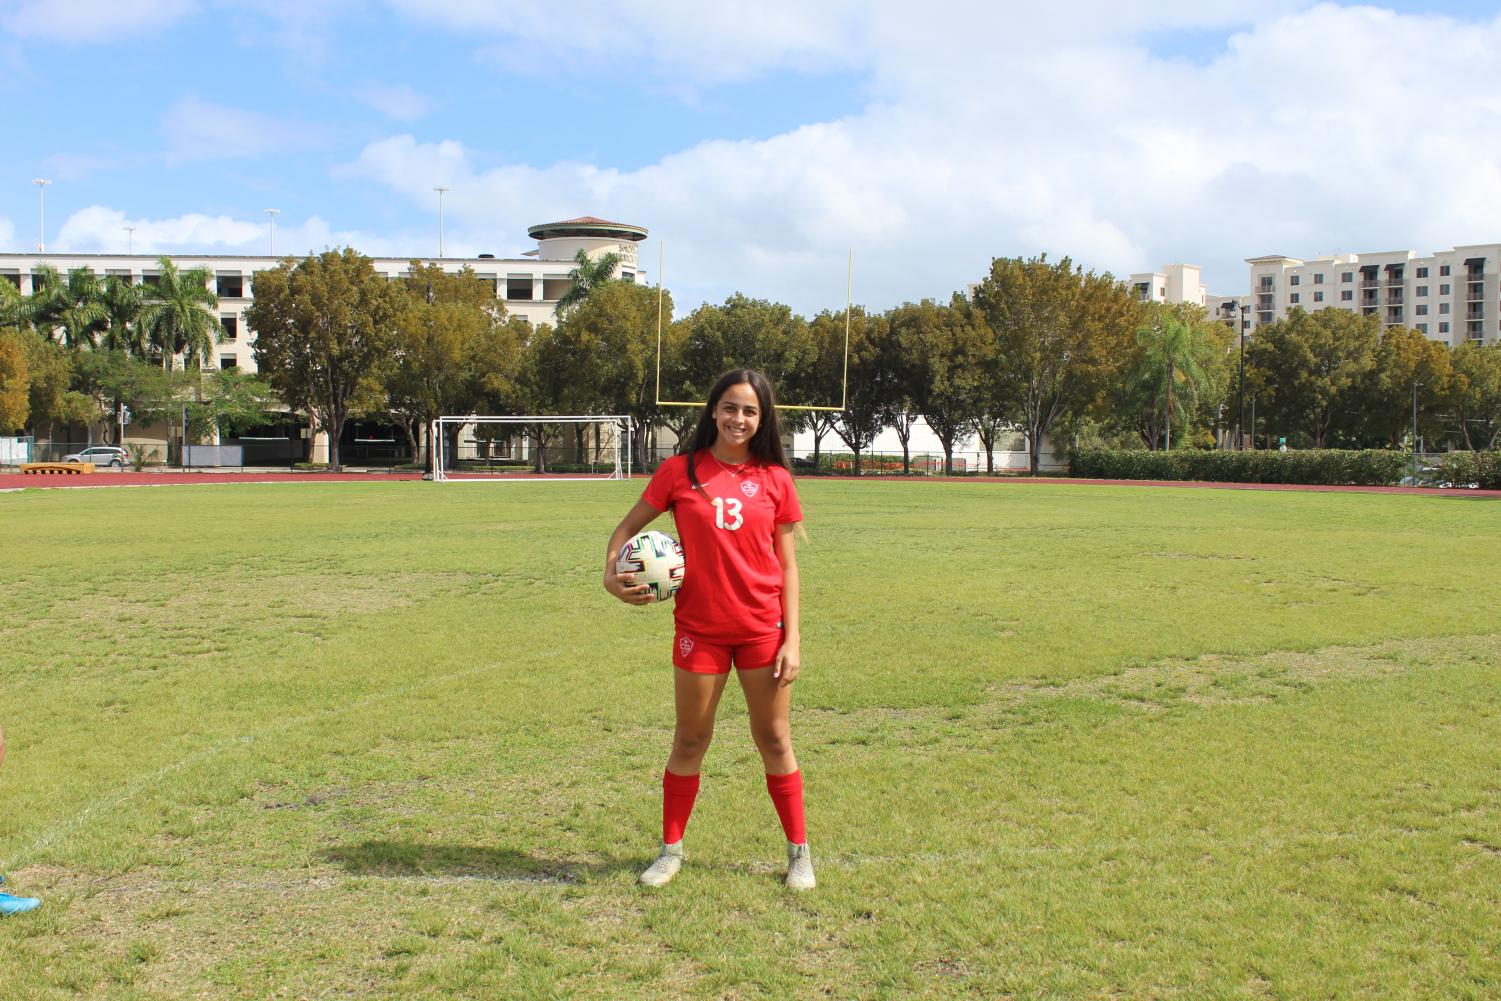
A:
(546, 447)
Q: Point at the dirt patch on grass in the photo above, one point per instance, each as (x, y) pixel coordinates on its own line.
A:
(1227, 679)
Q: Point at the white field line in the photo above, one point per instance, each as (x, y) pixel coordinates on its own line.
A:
(128, 791)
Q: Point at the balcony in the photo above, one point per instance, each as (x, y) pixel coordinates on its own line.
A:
(1394, 297)
(1475, 294)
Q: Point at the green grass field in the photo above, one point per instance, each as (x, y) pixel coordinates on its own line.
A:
(393, 739)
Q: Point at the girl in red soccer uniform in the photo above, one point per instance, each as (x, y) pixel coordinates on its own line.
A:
(736, 507)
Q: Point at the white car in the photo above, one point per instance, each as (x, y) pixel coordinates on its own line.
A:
(101, 455)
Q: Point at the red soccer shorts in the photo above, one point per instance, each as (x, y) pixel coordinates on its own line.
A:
(703, 657)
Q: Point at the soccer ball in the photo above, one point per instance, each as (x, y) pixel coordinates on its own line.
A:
(656, 559)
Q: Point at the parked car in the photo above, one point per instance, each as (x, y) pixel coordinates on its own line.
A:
(101, 455)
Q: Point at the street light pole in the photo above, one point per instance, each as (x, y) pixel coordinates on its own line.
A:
(41, 216)
(1415, 428)
(272, 214)
(130, 241)
(440, 191)
(1240, 433)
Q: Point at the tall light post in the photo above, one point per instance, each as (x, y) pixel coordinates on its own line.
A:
(1240, 434)
(440, 192)
(1415, 430)
(130, 241)
(41, 215)
(272, 213)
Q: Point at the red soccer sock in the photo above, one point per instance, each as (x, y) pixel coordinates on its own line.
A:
(787, 795)
(678, 794)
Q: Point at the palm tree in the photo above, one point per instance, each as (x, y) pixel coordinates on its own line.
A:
(1171, 356)
(82, 316)
(588, 276)
(122, 306)
(180, 315)
(71, 306)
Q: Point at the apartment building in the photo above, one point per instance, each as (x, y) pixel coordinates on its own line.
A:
(1453, 296)
(530, 285)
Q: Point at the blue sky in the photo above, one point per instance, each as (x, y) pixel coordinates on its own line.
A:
(759, 146)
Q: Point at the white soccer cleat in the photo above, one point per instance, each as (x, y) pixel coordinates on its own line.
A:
(799, 868)
(660, 872)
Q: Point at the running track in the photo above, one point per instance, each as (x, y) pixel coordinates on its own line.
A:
(17, 481)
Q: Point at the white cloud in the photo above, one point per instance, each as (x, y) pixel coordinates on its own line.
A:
(394, 101)
(199, 130)
(101, 229)
(85, 21)
(993, 131)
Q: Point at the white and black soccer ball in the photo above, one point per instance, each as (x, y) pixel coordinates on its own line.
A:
(657, 560)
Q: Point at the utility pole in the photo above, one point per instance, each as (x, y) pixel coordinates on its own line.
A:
(272, 214)
(130, 241)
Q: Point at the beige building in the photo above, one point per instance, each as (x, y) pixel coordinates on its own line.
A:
(1453, 296)
(530, 285)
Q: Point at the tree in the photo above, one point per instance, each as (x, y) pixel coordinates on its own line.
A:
(946, 346)
(1306, 369)
(122, 304)
(49, 368)
(15, 381)
(1475, 393)
(432, 370)
(610, 341)
(1060, 335)
(180, 315)
(114, 378)
(1404, 358)
(232, 402)
(587, 276)
(871, 397)
(323, 325)
(1176, 374)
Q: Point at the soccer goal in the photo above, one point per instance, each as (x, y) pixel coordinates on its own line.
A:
(476, 448)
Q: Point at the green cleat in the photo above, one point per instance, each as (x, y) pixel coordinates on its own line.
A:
(799, 868)
(660, 872)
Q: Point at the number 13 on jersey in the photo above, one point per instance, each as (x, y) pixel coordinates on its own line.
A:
(727, 508)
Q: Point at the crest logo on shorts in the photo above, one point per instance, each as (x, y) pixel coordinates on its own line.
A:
(685, 644)
(750, 488)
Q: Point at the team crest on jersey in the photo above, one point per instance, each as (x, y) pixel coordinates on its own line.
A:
(750, 488)
(685, 644)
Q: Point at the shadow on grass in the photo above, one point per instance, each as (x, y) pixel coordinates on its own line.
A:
(409, 859)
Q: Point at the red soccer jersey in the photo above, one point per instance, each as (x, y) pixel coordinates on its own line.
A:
(732, 583)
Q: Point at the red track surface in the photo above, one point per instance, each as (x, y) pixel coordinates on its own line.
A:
(14, 481)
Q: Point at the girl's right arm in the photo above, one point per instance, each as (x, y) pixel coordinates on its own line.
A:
(623, 585)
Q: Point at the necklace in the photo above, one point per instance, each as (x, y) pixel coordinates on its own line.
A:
(735, 473)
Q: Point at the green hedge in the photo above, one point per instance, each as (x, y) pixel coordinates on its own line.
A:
(1331, 467)
(1463, 469)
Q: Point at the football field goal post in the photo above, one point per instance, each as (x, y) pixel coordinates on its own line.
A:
(479, 448)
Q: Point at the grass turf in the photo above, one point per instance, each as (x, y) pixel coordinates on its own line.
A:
(391, 738)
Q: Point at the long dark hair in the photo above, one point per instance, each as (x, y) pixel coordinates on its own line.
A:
(765, 445)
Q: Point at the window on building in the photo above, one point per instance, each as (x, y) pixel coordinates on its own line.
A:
(519, 289)
(1422, 309)
(553, 287)
(1443, 271)
(1294, 280)
(1318, 297)
(628, 276)
(1266, 283)
(1422, 328)
(1293, 298)
(151, 281)
(1422, 290)
(14, 277)
(1143, 291)
(1443, 307)
(1348, 276)
(229, 286)
(1443, 327)
(231, 325)
(1444, 289)
(1348, 295)
(1422, 272)
(228, 361)
(1318, 278)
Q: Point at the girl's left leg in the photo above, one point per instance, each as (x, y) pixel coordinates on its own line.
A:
(769, 703)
